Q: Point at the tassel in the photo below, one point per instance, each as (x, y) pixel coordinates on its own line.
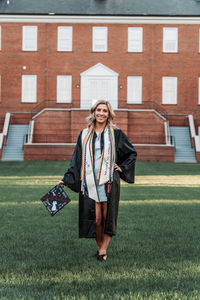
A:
(109, 190)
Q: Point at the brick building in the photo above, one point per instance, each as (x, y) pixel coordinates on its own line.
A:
(57, 57)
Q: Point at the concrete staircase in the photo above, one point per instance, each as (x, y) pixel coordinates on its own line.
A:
(15, 140)
(183, 150)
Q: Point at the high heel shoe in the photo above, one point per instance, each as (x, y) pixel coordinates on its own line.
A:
(102, 257)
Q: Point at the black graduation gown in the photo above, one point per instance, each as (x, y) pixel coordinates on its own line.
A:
(125, 159)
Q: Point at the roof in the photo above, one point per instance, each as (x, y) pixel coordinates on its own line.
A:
(102, 7)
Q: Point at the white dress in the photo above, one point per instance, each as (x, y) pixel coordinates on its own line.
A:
(97, 157)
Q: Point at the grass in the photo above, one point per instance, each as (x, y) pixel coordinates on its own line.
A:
(155, 255)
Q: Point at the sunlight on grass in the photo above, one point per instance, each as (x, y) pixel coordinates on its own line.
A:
(154, 256)
(153, 180)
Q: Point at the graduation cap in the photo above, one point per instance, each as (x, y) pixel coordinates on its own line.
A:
(55, 200)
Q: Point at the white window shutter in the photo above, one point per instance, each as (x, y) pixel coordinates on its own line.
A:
(99, 39)
(29, 88)
(170, 39)
(169, 90)
(64, 38)
(135, 39)
(29, 42)
(64, 89)
(134, 89)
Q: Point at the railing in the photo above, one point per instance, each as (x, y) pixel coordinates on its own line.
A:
(54, 104)
(48, 104)
(173, 141)
(1, 140)
(5, 129)
(167, 133)
(193, 135)
(25, 139)
(67, 138)
(30, 131)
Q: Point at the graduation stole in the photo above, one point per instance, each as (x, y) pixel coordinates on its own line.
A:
(105, 173)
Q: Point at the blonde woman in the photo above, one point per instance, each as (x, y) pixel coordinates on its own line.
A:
(103, 154)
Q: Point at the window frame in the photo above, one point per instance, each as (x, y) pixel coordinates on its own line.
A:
(35, 39)
(23, 91)
(164, 90)
(140, 48)
(165, 29)
(68, 44)
(59, 99)
(96, 29)
(130, 99)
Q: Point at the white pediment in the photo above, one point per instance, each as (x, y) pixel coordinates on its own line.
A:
(99, 70)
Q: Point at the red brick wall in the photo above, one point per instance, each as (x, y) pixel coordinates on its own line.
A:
(152, 64)
(64, 152)
(58, 126)
(53, 127)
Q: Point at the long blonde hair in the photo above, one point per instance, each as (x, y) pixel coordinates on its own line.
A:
(91, 118)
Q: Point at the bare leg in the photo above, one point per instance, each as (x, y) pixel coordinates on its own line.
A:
(99, 227)
(106, 237)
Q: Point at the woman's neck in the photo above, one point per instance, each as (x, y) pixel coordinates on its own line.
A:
(99, 127)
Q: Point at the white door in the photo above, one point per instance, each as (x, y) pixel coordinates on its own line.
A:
(102, 85)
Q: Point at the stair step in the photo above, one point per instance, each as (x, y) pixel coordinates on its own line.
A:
(13, 151)
(184, 152)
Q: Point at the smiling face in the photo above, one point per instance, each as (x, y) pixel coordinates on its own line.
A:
(101, 114)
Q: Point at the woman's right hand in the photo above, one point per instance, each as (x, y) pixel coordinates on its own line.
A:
(61, 183)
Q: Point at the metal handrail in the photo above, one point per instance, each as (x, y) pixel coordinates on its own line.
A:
(173, 141)
(25, 139)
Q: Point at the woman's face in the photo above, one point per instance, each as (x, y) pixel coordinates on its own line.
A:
(101, 114)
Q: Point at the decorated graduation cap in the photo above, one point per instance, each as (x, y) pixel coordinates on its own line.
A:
(55, 200)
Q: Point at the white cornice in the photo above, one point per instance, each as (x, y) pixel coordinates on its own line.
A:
(97, 19)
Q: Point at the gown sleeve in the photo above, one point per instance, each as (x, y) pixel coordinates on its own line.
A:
(125, 156)
(72, 177)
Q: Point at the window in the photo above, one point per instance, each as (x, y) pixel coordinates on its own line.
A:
(29, 41)
(170, 39)
(135, 39)
(64, 88)
(64, 38)
(134, 89)
(169, 90)
(29, 88)
(99, 39)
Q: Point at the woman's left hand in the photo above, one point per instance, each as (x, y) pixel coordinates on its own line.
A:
(117, 168)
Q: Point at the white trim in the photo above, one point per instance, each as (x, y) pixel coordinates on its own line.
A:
(87, 109)
(6, 124)
(1, 140)
(98, 66)
(74, 144)
(197, 143)
(98, 19)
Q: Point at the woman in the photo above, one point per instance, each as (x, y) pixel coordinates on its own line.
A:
(103, 154)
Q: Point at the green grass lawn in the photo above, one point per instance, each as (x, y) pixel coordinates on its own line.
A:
(155, 255)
